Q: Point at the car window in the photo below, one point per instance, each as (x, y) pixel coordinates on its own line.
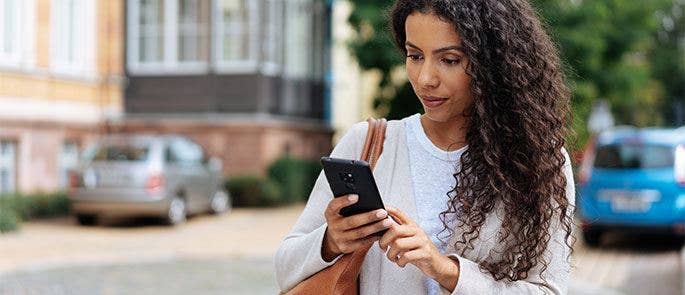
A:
(632, 156)
(184, 151)
(120, 152)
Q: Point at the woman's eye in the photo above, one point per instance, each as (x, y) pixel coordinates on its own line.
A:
(450, 61)
(413, 56)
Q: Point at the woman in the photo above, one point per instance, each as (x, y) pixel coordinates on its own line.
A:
(480, 183)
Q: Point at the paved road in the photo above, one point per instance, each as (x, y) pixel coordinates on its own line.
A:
(628, 264)
(196, 276)
(233, 255)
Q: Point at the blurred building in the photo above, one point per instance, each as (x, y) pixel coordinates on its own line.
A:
(244, 78)
(247, 79)
(61, 68)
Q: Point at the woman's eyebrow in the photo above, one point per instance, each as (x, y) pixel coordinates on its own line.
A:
(452, 47)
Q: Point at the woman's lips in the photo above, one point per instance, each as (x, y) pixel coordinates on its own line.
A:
(432, 101)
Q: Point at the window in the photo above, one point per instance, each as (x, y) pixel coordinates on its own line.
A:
(272, 46)
(236, 29)
(151, 33)
(319, 35)
(168, 36)
(17, 35)
(184, 152)
(68, 160)
(299, 39)
(73, 37)
(627, 156)
(122, 153)
(192, 37)
(7, 167)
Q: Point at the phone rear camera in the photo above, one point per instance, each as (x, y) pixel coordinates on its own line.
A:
(346, 177)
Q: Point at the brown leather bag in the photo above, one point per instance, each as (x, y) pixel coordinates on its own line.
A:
(343, 276)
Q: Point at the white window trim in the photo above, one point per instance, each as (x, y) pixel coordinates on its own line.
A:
(250, 65)
(170, 65)
(274, 15)
(84, 68)
(23, 55)
(297, 61)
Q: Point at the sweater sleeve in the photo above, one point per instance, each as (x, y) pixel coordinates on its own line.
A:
(472, 280)
(299, 255)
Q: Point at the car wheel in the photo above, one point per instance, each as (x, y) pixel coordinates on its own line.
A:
(177, 211)
(592, 237)
(86, 220)
(220, 203)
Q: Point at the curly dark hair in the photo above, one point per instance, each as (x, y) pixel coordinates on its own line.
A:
(516, 129)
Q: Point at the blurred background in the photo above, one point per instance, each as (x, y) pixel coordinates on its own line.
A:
(167, 146)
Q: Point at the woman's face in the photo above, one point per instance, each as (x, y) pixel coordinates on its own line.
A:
(436, 67)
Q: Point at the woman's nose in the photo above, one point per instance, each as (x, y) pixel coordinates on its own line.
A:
(428, 77)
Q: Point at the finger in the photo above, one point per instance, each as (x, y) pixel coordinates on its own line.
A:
(334, 206)
(399, 216)
(361, 219)
(395, 232)
(411, 257)
(367, 230)
(352, 246)
(400, 246)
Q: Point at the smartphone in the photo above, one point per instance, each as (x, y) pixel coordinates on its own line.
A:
(353, 177)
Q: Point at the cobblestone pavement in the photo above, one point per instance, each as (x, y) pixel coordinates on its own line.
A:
(232, 254)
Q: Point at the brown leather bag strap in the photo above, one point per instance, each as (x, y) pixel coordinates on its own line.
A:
(373, 144)
(368, 141)
(379, 138)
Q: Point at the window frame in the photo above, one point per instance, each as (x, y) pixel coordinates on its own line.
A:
(170, 63)
(248, 65)
(84, 38)
(23, 53)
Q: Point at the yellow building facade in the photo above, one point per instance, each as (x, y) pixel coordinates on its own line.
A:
(61, 82)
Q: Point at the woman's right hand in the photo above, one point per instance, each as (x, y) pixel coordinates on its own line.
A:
(347, 234)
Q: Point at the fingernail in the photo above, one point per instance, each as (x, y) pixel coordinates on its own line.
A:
(352, 198)
(381, 214)
(387, 222)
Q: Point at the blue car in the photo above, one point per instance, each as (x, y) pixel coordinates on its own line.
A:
(633, 179)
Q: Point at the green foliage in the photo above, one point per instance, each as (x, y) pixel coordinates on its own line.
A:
(296, 177)
(627, 52)
(253, 191)
(8, 220)
(17, 207)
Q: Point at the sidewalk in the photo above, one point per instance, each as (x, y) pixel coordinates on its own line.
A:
(59, 243)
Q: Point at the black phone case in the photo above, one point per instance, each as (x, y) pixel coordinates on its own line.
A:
(352, 177)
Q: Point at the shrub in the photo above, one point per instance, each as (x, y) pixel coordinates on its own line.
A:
(17, 207)
(8, 220)
(43, 205)
(295, 176)
(253, 191)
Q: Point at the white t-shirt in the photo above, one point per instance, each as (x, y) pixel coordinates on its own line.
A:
(432, 171)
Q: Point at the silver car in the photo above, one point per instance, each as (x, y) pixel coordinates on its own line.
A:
(134, 175)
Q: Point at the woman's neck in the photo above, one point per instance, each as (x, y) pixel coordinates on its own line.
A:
(448, 136)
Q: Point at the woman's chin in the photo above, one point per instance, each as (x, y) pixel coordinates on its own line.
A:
(435, 116)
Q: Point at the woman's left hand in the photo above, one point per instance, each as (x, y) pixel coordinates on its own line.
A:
(409, 244)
